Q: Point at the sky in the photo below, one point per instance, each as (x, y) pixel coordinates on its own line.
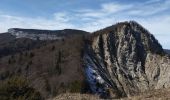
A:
(88, 15)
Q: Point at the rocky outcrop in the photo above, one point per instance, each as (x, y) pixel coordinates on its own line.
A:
(44, 34)
(127, 59)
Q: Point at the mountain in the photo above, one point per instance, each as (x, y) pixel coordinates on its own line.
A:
(51, 69)
(122, 60)
(167, 51)
(10, 45)
(6, 37)
(126, 59)
(17, 40)
(51, 66)
(44, 34)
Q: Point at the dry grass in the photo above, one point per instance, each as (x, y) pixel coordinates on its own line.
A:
(76, 96)
(162, 94)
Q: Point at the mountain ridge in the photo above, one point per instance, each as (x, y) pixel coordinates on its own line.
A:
(37, 34)
(167, 51)
(127, 58)
(121, 60)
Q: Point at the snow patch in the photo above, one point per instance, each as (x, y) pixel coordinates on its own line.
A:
(96, 82)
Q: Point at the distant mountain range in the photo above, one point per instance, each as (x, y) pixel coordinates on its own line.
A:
(44, 34)
(168, 51)
(121, 60)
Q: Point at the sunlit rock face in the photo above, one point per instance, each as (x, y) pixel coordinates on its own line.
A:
(44, 34)
(127, 59)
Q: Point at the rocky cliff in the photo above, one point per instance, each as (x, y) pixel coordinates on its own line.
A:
(44, 34)
(125, 59)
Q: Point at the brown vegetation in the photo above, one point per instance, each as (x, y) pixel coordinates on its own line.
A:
(51, 69)
(17, 88)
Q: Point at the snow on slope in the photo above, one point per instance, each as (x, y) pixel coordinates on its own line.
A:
(96, 82)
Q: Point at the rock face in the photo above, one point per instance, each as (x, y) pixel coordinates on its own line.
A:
(44, 34)
(126, 59)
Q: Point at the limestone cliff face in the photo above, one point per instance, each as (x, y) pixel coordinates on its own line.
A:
(44, 34)
(34, 34)
(127, 59)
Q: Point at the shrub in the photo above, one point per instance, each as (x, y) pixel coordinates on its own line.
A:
(75, 86)
(17, 88)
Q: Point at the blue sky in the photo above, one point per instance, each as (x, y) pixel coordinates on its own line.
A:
(88, 15)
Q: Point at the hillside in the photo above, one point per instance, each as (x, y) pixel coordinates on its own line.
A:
(121, 61)
(50, 69)
(9, 44)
